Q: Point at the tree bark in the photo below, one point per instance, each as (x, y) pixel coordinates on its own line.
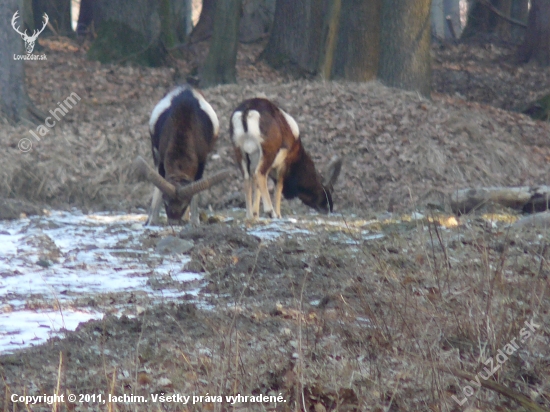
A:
(203, 29)
(536, 46)
(479, 20)
(255, 23)
(257, 20)
(296, 37)
(438, 19)
(85, 17)
(59, 12)
(331, 29)
(357, 50)
(219, 67)
(182, 17)
(503, 26)
(15, 104)
(130, 30)
(167, 26)
(520, 11)
(405, 45)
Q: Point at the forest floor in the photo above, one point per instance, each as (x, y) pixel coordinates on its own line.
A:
(385, 305)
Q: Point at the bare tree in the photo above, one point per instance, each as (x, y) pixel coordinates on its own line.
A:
(520, 12)
(296, 36)
(140, 31)
(357, 49)
(405, 45)
(219, 67)
(480, 19)
(15, 104)
(536, 46)
(255, 23)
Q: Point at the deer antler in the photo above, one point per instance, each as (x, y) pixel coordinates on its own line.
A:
(15, 16)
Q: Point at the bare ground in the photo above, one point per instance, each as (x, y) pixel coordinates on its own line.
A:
(330, 320)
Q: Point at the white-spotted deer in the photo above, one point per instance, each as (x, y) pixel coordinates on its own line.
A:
(267, 139)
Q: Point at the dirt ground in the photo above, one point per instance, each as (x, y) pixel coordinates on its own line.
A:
(387, 305)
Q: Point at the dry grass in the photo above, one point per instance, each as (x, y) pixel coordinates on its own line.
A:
(392, 324)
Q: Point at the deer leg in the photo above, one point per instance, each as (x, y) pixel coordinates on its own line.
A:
(187, 215)
(257, 194)
(248, 197)
(278, 195)
(154, 210)
(194, 210)
(266, 199)
(247, 185)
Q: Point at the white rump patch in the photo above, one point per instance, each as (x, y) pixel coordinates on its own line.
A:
(238, 130)
(292, 123)
(164, 104)
(253, 123)
(205, 106)
(250, 141)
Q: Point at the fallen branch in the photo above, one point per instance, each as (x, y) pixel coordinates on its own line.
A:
(497, 387)
(528, 199)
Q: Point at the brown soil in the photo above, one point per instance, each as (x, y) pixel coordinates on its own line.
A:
(330, 319)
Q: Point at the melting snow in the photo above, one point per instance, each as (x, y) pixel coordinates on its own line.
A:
(47, 262)
(52, 265)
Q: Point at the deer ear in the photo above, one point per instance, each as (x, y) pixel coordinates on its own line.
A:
(333, 171)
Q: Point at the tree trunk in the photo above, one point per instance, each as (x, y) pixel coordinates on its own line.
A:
(357, 50)
(438, 19)
(59, 12)
(15, 104)
(182, 17)
(219, 67)
(296, 36)
(130, 30)
(405, 45)
(503, 26)
(520, 12)
(256, 20)
(203, 29)
(331, 29)
(451, 9)
(167, 26)
(85, 17)
(479, 20)
(536, 46)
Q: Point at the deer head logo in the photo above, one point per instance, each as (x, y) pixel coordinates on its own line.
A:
(29, 40)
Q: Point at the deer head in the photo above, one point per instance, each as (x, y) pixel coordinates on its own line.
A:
(29, 40)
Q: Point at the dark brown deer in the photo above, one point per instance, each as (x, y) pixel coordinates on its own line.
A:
(184, 129)
(267, 139)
